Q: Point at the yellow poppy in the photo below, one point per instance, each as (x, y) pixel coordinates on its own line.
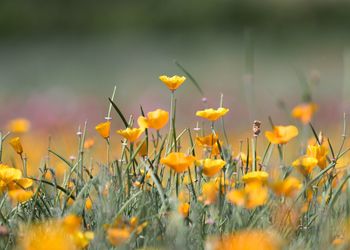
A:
(209, 193)
(104, 129)
(118, 236)
(19, 125)
(212, 114)
(16, 144)
(184, 209)
(209, 142)
(156, 119)
(252, 195)
(20, 195)
(131, 134)
(247, 240)
(304, 112)
(143, 148)
(288, 187)
(178, 161)
(256, 176)
(305, 164)
(281, 134)
(319, 152)
(172, 82)
(8, 174)
(211, 167)
(88, 203)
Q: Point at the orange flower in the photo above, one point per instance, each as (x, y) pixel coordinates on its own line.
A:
(211, 167)
(88, 203)
(131, 134)
(178, 161)
(243, 157)
(305, 164)
(281, 134)
(16, 144)
(248, 240)
(209, 142)
(89, 143)
(118, 236)
(212, 114)
(143, 148)
(172, 82)
(8, 174)
(20, 195)
(319, 153)
(288, 187)
(184, 209)
(19, 125)
(304, 112)
(156, 119)
(256, 176)
(104, 129)
(254, 194)
(209, 192)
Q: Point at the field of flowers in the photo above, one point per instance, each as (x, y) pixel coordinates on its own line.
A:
(154, 185)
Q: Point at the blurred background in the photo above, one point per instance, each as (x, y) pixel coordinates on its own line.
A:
(59, 59)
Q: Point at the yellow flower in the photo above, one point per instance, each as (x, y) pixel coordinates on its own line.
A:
(178, 161)
(212, 114)
(256, 176)
(304, 112)
(20, 195)
(281, 134)
(319, 153)
(288, 187)
(131, 134)
(118, 236)
(46, 236)
(254, 194)
(172, 82)
(8, 174)
(210, 142)
(88, 203)
(243, 157)
(248, 240)
(143, 148)
(22, 183)
(156, 119)
(19, 125)
(209, 192)
(211, 167)
(16, 144)
(71, 223)
(104, 129)
(184, 209)
(89, 143)
(305, 164)
(82, 239)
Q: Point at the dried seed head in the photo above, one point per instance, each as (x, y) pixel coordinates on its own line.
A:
(256, 127)
(320, 138)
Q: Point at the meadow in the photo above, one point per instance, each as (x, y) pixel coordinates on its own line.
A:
(152, 184)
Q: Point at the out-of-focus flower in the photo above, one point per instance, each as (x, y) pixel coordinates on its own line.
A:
(131, 134)
(16, 145)
(88, 203)
(256, 176)
(72, 224)
(212, 114)
(173, 82)
(104, 129)
(254, 194)
(211, 167)
(305, 164)
(178, 161)
(209, 193)
(89, 143)
(19, 125)
(288, 187)
(243, 157)
(184, 209)
(304, 112)
(118, 236)
(156, 119)
(8, 174)
(318, 152)
(143, 149)
(281, 134)
(20, 195)
(247, 240)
